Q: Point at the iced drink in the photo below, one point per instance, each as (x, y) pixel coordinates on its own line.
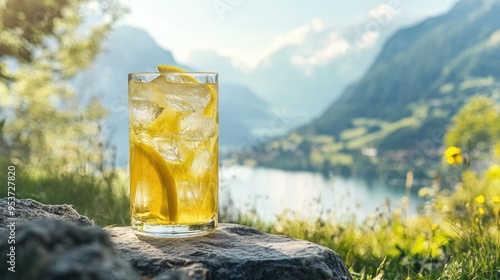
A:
(173, 120)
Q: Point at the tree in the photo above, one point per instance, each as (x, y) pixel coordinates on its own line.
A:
(476, 124)
(43, 44)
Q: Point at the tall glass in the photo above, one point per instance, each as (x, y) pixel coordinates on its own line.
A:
(174, 136)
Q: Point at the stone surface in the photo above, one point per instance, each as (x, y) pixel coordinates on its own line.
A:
(55, 242)
(29, 209)
(55, 249)
(231, 252)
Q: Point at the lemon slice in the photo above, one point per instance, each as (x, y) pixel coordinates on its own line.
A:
(183, 78)
(146, 160)
(167, 121)
(169, 69)
(209, 109)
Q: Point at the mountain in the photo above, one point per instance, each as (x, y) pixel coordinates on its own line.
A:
(129, 49)
(415, 62)
(241, 113)
(311, 66)
(394, 117)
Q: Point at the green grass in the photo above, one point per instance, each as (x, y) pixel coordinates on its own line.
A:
(353, 133)
(360, 142)
(322, 139)
(105, 203)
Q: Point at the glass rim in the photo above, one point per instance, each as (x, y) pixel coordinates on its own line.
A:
(174, 72)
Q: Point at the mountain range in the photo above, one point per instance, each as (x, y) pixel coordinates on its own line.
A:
(417, 61)
(307, 73)
(394, 117)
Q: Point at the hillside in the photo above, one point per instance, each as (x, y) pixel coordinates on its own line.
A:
(394, 117)
(416, 62)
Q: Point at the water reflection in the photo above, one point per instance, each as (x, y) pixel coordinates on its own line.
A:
(271, 191)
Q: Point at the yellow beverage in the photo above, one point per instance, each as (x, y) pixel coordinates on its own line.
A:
(173, 120)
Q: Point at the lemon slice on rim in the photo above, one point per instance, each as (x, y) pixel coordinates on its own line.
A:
(182, 78)
(146, 159)
(169, 69)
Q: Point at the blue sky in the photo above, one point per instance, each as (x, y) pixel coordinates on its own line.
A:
(249, 30)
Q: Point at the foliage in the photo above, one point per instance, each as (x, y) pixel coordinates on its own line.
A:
(51, 31)
(56, 142)
(43, 44)
(477, 123)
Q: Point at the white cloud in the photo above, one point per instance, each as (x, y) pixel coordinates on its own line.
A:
(384, 12)
(296, 36)
(317, 25)
(336, 46)
(378, 18)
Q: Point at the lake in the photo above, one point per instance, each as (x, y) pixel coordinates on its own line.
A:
(271, 191)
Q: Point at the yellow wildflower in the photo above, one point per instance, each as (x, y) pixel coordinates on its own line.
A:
(495, 211)
(453, 155)
(481, 211)
(476, 219)
(434, 227)
(480, 199)
(496, 199)
(496, 150)
(423, 192)
(493, 172)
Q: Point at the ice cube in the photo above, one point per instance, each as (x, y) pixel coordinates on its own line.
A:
(180, 78)
(142, 112)
(202, 162)
(142, 197)
(188, 194)
(198, 126)
(198, 97)
(144, 90)
(184, 97)
(170, 149)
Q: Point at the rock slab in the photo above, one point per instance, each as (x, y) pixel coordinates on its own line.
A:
(231, 252)
(29, 209)
(48, 249)
(55, 242)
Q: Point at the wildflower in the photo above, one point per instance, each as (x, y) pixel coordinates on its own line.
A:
(493, 172)
(480, 199)
(481, 211)
(434, 227)
(496, 199)
(476, 219)
(423, 192)
(453, 155)
(495, 211)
